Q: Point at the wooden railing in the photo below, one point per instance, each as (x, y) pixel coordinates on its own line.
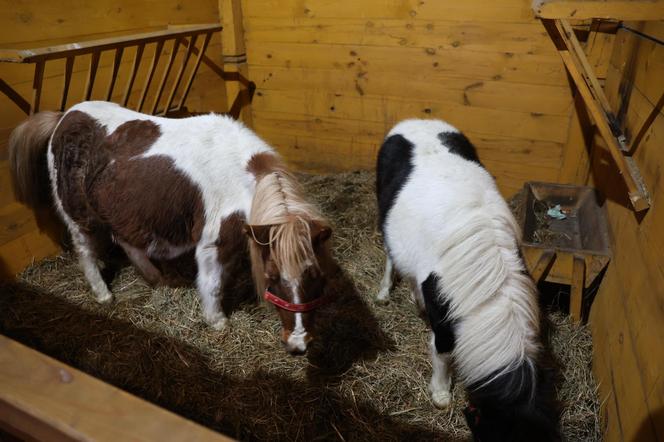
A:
(185, 36)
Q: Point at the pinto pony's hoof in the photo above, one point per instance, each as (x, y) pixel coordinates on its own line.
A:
(441, 399)
(105, 298)
(218, 321)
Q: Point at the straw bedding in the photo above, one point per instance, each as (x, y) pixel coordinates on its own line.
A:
(365, 378)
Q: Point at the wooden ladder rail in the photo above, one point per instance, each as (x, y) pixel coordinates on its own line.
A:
(186, 36)
(580, 71)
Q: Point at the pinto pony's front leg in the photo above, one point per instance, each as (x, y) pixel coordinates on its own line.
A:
(209, 282)
(441, 379)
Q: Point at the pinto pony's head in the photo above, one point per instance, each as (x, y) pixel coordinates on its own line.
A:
(289, 255)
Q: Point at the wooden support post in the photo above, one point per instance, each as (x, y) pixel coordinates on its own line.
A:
(69, 66)
(201, 54)
(190, 47)
(235, 57)
(37, 87)
(159, 46)
(543, 263)
(593, 96)
(92, 74)
(134, 70)
(576, 289)
(114, 72)
(167, 70)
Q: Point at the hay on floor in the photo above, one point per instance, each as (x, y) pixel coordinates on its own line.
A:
(365, 378)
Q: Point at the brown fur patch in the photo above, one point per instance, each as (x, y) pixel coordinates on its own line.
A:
(145, 202)
(132, 138)
(261, 164)
(232, 241)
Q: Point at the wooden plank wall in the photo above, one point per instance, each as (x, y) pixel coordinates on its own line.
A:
(628, 312)
(333, 77)
(37, 23)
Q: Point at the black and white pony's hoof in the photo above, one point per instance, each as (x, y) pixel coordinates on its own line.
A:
(441, 398)
(383, 297)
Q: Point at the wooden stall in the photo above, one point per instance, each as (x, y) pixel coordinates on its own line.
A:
(333, 77)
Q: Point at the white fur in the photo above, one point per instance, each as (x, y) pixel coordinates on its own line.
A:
(297, 339)
(449, 218)
(212, 151)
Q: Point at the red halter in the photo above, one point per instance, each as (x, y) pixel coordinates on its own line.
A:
(297, 308)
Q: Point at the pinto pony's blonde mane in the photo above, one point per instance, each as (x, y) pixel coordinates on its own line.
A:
(278, 203)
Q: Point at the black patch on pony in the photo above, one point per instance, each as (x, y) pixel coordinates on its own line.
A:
(393, 168)
(458, 144)
(516, 406)
(437, 311)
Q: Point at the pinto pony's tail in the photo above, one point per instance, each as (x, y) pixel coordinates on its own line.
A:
(27, 158)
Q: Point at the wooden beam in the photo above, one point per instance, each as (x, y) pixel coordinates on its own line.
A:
(543, 263)
(14, 96)
(201, 54)
(164, 77)
(114, 73)
(586, 82)
(48, 400)
(178, 78)
(150, 75)
(86, 47)
(576, 288)
(235, 60)
(37, 82)
(134, 70)
(605, 9)
(92, 74)
(69, 66)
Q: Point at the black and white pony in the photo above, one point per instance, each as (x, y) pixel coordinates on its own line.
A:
(448, 231)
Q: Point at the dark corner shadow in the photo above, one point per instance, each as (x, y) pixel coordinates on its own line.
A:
(5, 273)
(651, 427)
(347, 331)
(179, 377)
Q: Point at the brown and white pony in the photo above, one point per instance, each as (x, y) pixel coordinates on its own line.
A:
(162, 187)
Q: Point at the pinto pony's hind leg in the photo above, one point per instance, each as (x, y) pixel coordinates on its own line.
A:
(141, 261)
(209, 283)
(383, 296)
(87, 258)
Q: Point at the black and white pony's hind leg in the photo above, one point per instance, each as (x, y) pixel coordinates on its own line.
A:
(441, 343)
(383, 296)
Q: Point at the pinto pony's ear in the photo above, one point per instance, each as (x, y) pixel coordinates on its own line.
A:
(319, 232)
(259, 234)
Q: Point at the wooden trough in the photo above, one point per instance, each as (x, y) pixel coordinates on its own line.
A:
(567, 92)
(573, 250)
